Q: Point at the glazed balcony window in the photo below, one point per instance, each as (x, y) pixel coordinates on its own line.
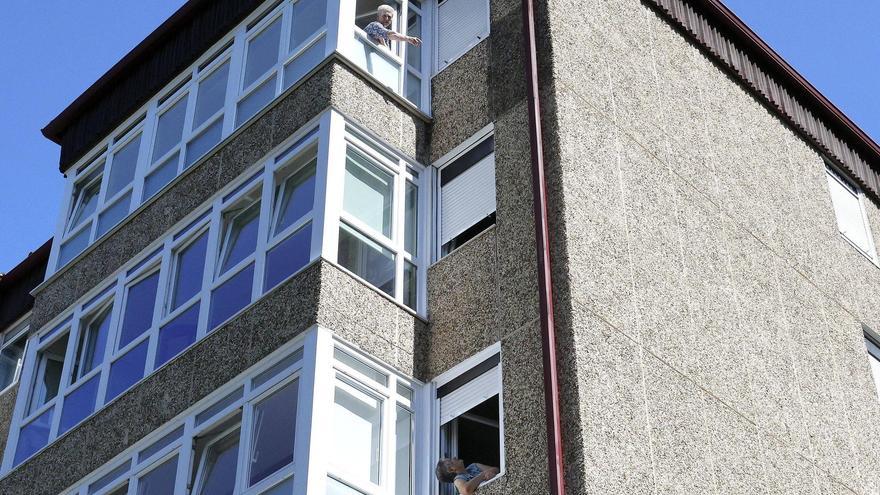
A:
(269, 52)
(331, 191)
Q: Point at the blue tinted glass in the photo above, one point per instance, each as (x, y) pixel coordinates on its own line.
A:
(74, 246)
(367, 259)
(124, 165)
(202, 144)
(212, 92)
(295, 196)
(177, 335)
(262, 52)
(127, 370)
(303, 63)
(308, 16)
(159, 481)
(33, 437)
(79, 404)
(111, 216)
(239, 234)
(139, 307)
(190, 266)
(93, 342)
(160, 176)
(169, 129)
(254, 102)
(288, 256)
(230, 297)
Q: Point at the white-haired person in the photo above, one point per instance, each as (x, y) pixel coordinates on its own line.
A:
(380, 31)
(466, 479)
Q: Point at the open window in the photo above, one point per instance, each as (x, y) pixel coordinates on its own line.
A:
(467, 191)
(470, 419)
(50, 363)
(11, 354)
(215, 457)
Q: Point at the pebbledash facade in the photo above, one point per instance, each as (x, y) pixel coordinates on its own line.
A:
(290, 261)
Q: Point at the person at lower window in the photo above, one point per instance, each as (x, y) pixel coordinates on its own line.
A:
(380, 31)
(466, 479)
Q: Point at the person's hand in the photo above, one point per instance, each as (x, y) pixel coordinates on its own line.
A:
(412, 40)
(490, 473)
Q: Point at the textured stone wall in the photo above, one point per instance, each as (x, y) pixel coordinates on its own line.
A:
(334, 84)
(318, 295)
(7, 406)
(710, 308)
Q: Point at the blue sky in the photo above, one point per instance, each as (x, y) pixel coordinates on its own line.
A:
(52, 50)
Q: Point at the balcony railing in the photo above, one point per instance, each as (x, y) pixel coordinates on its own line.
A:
(260, 59)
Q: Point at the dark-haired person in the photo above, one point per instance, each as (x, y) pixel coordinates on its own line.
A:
(466, 479)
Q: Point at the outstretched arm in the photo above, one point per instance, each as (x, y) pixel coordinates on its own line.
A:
(412, 40)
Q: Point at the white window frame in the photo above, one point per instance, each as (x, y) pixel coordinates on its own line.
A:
(316, 370)
(872, 349)
(437, 167)
(329, 133)
(446, 377)
(18, 329)
(833, 174)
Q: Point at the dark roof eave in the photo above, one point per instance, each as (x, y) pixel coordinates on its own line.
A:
(33, 259)
(54, 130)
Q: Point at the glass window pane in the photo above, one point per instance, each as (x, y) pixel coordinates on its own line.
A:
(159, 481)
(360, 366)
(10, 357)
(230, 297)
(410, 285)
(254, 102)
(357, 427)
(74, 246)
(122, 490)
(335, 487)
(123, 166)
(262, 52)
(211, 95)
(414, 53)
(218, 468)
(411, 219)
(273, 433)
(79, 404)
(308, 17)
(33, 437)
(288, 256)
(304, 62)
(127, 370)
(204, 142)
(369, 193)
(163, 174)
(92, 342)
(283, 488)
(413, 89)
(110, 477)
(113, 215)
(239, 232)
(403, 459)
(295, 195)
(85, 197)
(139, 305)
(189, 267)
(169, 129)
(177, 335)
(366, 259)
(50, 362)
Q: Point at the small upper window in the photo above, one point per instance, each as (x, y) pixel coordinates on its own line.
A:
(874, 360)
(470, 425)
(467, 194)
(850, 212)
(50, 362)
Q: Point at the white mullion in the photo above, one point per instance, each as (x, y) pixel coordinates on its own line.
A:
(403, 25)
(388, 453)
(397, 231)
(245, 441)
(328, 177)
(119, 301)
(163, 293)
(284, 45)
(233, 83)
(263, 231)
(60, 227)
(21, 404)
(340, 24)
(311, 472)
(367, 231)
(282, 236)
(148, 131)
(189, 115)
(211, 260)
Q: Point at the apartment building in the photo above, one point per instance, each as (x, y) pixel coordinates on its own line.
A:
(609, 246)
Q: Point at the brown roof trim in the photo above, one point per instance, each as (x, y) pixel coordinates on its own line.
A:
(55, 129)
(733, 44)
(33, 260)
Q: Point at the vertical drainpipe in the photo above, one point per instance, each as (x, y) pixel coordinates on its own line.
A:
(542, 241)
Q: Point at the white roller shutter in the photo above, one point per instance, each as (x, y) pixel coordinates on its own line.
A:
(848, 210)
(470, 394)
(467, 199)
(461, 24)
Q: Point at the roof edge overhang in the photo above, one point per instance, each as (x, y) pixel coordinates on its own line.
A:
(732, 43)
